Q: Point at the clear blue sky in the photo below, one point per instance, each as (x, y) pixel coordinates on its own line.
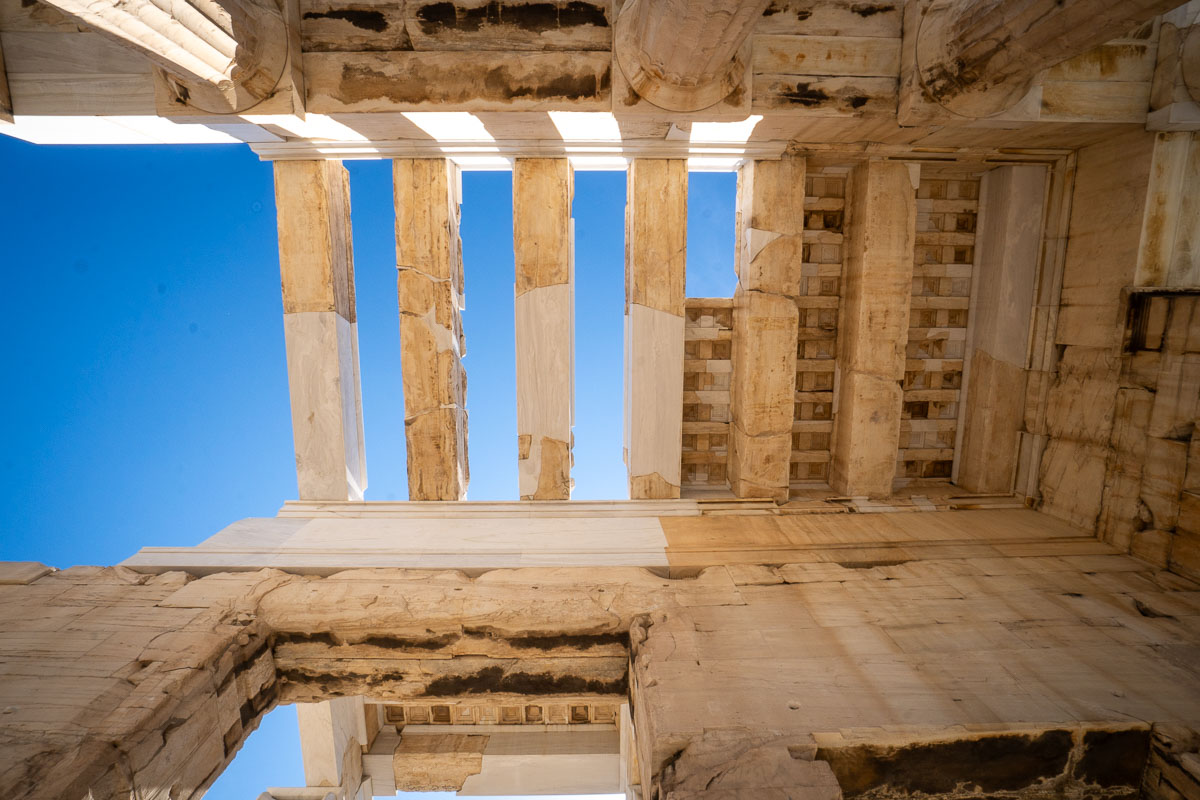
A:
(145, 396)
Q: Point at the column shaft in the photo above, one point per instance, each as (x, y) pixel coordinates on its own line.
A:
(545, 325)
(770, 252)
(316, 263)
(655, 265)
(873, 330)
(430, 289)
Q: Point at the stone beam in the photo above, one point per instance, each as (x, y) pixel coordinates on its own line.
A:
(655, 265)
(684, 55)
(873, 330)
(545, 325)
(316, 264)
(1008, 244)
(430, 288)
(222, 56)
(979, 57)
(770, 245)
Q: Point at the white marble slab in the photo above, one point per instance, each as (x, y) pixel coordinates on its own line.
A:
(330, 544)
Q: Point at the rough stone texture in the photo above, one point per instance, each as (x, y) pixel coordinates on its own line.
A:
(438, 763)
(918, 677)
(976, 59)
(655, 265)
(873, 330)
(755, 680)
(316, 264)
(1145, 504)
(116, 682)
(1122, 410)
(1101, 256)
(770, 231)
(685, 72)
(430, 287)
(543, 241)
(1167, 255)
(1173, 770)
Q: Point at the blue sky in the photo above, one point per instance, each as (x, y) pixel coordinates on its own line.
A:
(146, 390)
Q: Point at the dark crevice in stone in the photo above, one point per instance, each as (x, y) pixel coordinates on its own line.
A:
(870, 11)
(495, 680)
(358, 17)
(533, 17)
(997, 763)
(1114, 758)
(1147, 611)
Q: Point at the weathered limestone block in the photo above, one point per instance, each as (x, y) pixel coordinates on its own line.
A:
(174, 688)
(316, 263)
(1167, 255)
(545, 325)
(1072, 480)
(976, 59)
(1175, 92)
(437, 762)
(763, 389)
(223, 58)
(1079, 418)
(1107, 207)
(470, 80)
(753, 682)
(873, 331)
(735, 764)
(1122, 513)
(430, 290)
(1007, 245)
(1153, 424)
(1173, 769)
(766, 322)
(1185, 547)
(685, 56)
(331, 742)
(655, 265)
(22, 572)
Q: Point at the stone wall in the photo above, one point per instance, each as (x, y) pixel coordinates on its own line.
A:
(1123, 457)
(1012, 673)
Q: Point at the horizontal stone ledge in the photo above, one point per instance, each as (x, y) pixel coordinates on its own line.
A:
(583, 153)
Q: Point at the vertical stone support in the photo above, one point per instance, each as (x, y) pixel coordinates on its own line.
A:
(332, 736)
(5, 95)
(1043, 353)
(543, 244)
(770, 252)
(1007, 243)
(316, 264)
(873, 333)
(430, 289)
(1169, 252)
(655, 264)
